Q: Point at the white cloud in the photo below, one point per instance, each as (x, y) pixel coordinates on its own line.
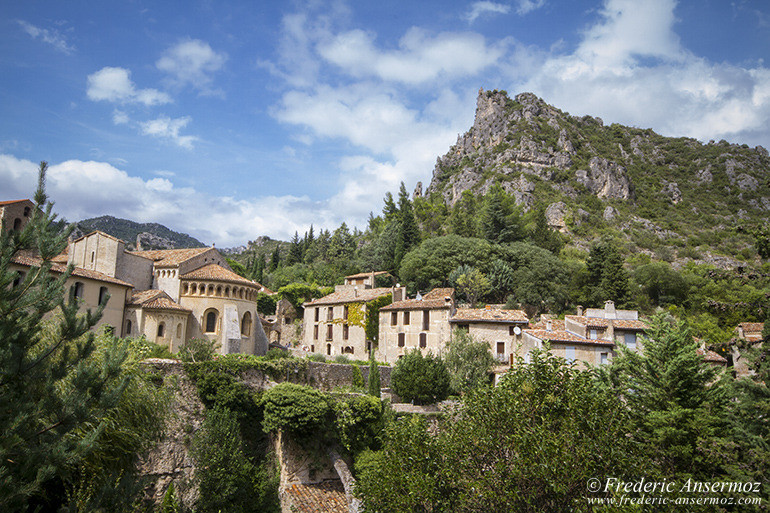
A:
(119, 117)
(482, 8)
(48, 36)
(526, 6)
(114, 85)
(421, 57)
(192, 62)
(167, 128)
(221, 220)
(630, 68)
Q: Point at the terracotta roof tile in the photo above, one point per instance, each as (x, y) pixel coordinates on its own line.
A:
(435, 299)
(11, 202)
(155, 300)
(29, 260)
(752, 327)
(218, 273)
(350, 296)
(489, 315)
(170, 257)
(598, 322)
(556, 325)
(326, 497)
(366, 275)
(711, 356)
(567, 336)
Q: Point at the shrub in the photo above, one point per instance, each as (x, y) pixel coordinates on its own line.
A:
(276, 354)
(468, 362)
(420, 379)
(298, 409)
(358, 421)
(358, 378)
(198, 350)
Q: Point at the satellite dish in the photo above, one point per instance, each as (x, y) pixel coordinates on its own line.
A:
(517, 330)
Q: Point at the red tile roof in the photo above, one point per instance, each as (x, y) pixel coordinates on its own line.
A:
(568, 337)
(155, 300)
(365, 275)
(326, 497)
(752, 327)
(170, 257)
(350, 296)
(435, 299)
(711, 356)
(218, 273)
(556, 325)
(598, 322)
(489, 315)
(100, 233)
(29, 260)
(10, 202)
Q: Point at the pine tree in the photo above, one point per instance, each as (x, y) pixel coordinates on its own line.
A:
(295, 250)
(389, 211)
(545, 236)
(607, 279)
(48, 392)
(408, 232)
(275, 260)
(374, 376)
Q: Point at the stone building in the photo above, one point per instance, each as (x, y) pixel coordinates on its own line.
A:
(420, 323)
(15, 214)
(501, 328)
(335, 324)
(748, 333)
(169, 296)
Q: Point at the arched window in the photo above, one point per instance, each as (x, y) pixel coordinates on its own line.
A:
(103, 295)
(26, 211)
(179, 330)
(210, 321)
(328, 349)
(161, 330)
(17, 281)
(246, 324)
(17, 224)
(128, 327)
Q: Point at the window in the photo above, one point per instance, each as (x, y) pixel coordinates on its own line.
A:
(317, 313)
(465, 327)
(501, 348)
(630, 340)
(315, 332)
(406, 317)
(604, 358)
(179, 331)
(211, 321)
(330, 313)
(103, 295)
(345, 332)
(17, 281)
(246, 324)
(593, 334)
(312, 348)
(161, 330)
(345, 312)
(423, 340)
(93, 256)
(569, 354)
(77, 290)
(26, 211)
(426, 320)
(510, 330)
(328, 349)
(16, 224)
(128, 327)
(393, 318)
(401, 339)
(329, 332)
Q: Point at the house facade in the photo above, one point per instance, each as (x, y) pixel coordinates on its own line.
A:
(501, 329)
(335, 324)
(15, 214)
(420, 323)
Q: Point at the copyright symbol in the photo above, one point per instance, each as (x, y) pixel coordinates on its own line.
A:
(594, 484)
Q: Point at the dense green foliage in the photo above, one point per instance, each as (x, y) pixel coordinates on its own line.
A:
(75, 410)
(421, 379)
(298, 409)
(373, 379)
(468, 362)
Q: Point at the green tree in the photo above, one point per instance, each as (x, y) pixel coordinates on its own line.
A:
(295, 250)
(408, 232)
(500, 220)
(358, 420)
(298, 409)
(54, 398)
(464, 216)
(358, 378)
(373, 380)
(468, 362)
(543, 235)
(275, 259)
(473, 284)
(607, 280)
(418, 378)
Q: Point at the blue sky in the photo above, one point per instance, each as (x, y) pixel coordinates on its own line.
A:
(229, 120)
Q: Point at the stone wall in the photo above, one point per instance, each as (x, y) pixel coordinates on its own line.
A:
(326, 376)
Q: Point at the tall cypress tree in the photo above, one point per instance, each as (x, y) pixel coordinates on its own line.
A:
(408, 232)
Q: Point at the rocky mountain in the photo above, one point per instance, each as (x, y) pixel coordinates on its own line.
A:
(690, 196)
(149, 235)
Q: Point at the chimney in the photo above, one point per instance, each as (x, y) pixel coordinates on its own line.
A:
(374, 282)
(355, 291)
(489, 307)
(580, 310)
(740, 331)
(611, 330)
(609, 309)
(549, 325)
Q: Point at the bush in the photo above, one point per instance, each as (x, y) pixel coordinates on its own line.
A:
(198, 350)
(358, 421)
(358, 378)
(420, 379)
(276, 354)
(468, 362)
(299, 409)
